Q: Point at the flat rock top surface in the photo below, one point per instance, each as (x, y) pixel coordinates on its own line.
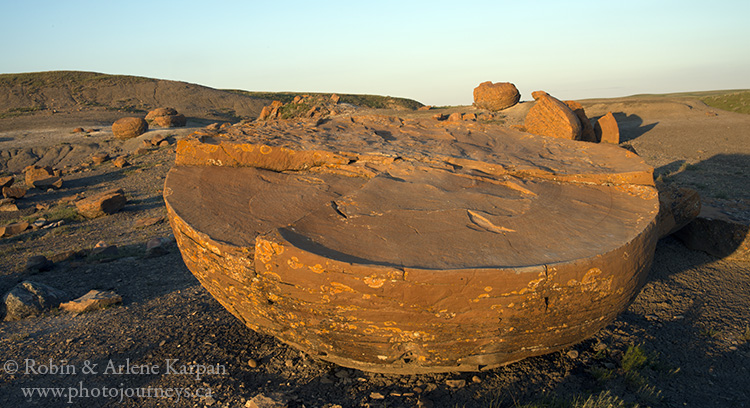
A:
(413, 193)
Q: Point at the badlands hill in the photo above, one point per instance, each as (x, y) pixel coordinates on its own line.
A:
(43, 99)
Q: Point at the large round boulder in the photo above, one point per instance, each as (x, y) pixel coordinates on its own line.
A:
(497, 96)
(128, 128)
(551, 117)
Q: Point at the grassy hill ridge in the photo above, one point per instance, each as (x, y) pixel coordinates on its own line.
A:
(27, 93)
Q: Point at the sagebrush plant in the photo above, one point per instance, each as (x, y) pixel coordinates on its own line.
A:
(634, 358)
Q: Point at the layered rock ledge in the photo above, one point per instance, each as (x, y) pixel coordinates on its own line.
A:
(406, 245)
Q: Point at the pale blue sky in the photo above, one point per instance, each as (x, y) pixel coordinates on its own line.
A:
(432, 51)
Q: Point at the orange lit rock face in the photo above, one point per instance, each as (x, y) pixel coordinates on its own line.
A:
(551, 117)
(607, 130)
(411, 246)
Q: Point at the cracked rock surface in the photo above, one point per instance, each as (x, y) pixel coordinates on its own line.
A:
(412, 245)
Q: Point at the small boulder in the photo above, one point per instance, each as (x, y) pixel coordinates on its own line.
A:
(717, 234)
(606, 129)
(497, 96)
(78, 130)
(335, 98)
(153, 114)
(93, 300)
(38, 263)
(99, 158)
(169, 121)
(14, 192)
(31, 299)
(587, 131)
(13, 229)
(455, 117)
(550, 117)
(120, 161)
(130, 127)
(108, 202)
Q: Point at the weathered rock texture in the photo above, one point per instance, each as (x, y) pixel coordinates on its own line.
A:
(497, 96)
(678, 206)
(128, 128)
(551, 117)
(606, 129)
(42, 177)
(406, 246)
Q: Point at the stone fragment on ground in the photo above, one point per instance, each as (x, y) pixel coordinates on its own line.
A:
(99, 158)
(15, 228)
(6, 181)
(271, 400)
(551, 117)
(678, 206)
(147, 222)
(496, 96)
(120, 161)
(606, 129)
(30, 298)
(8, 205)
(93, 300)
(14, 192)
(104, 250)
(106, 203)
(129, 127)
(156, 247)
(717, 234)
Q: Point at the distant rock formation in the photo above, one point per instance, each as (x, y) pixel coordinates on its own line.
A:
(497, 96)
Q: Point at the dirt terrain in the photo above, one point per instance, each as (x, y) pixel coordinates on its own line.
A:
(683, 342)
